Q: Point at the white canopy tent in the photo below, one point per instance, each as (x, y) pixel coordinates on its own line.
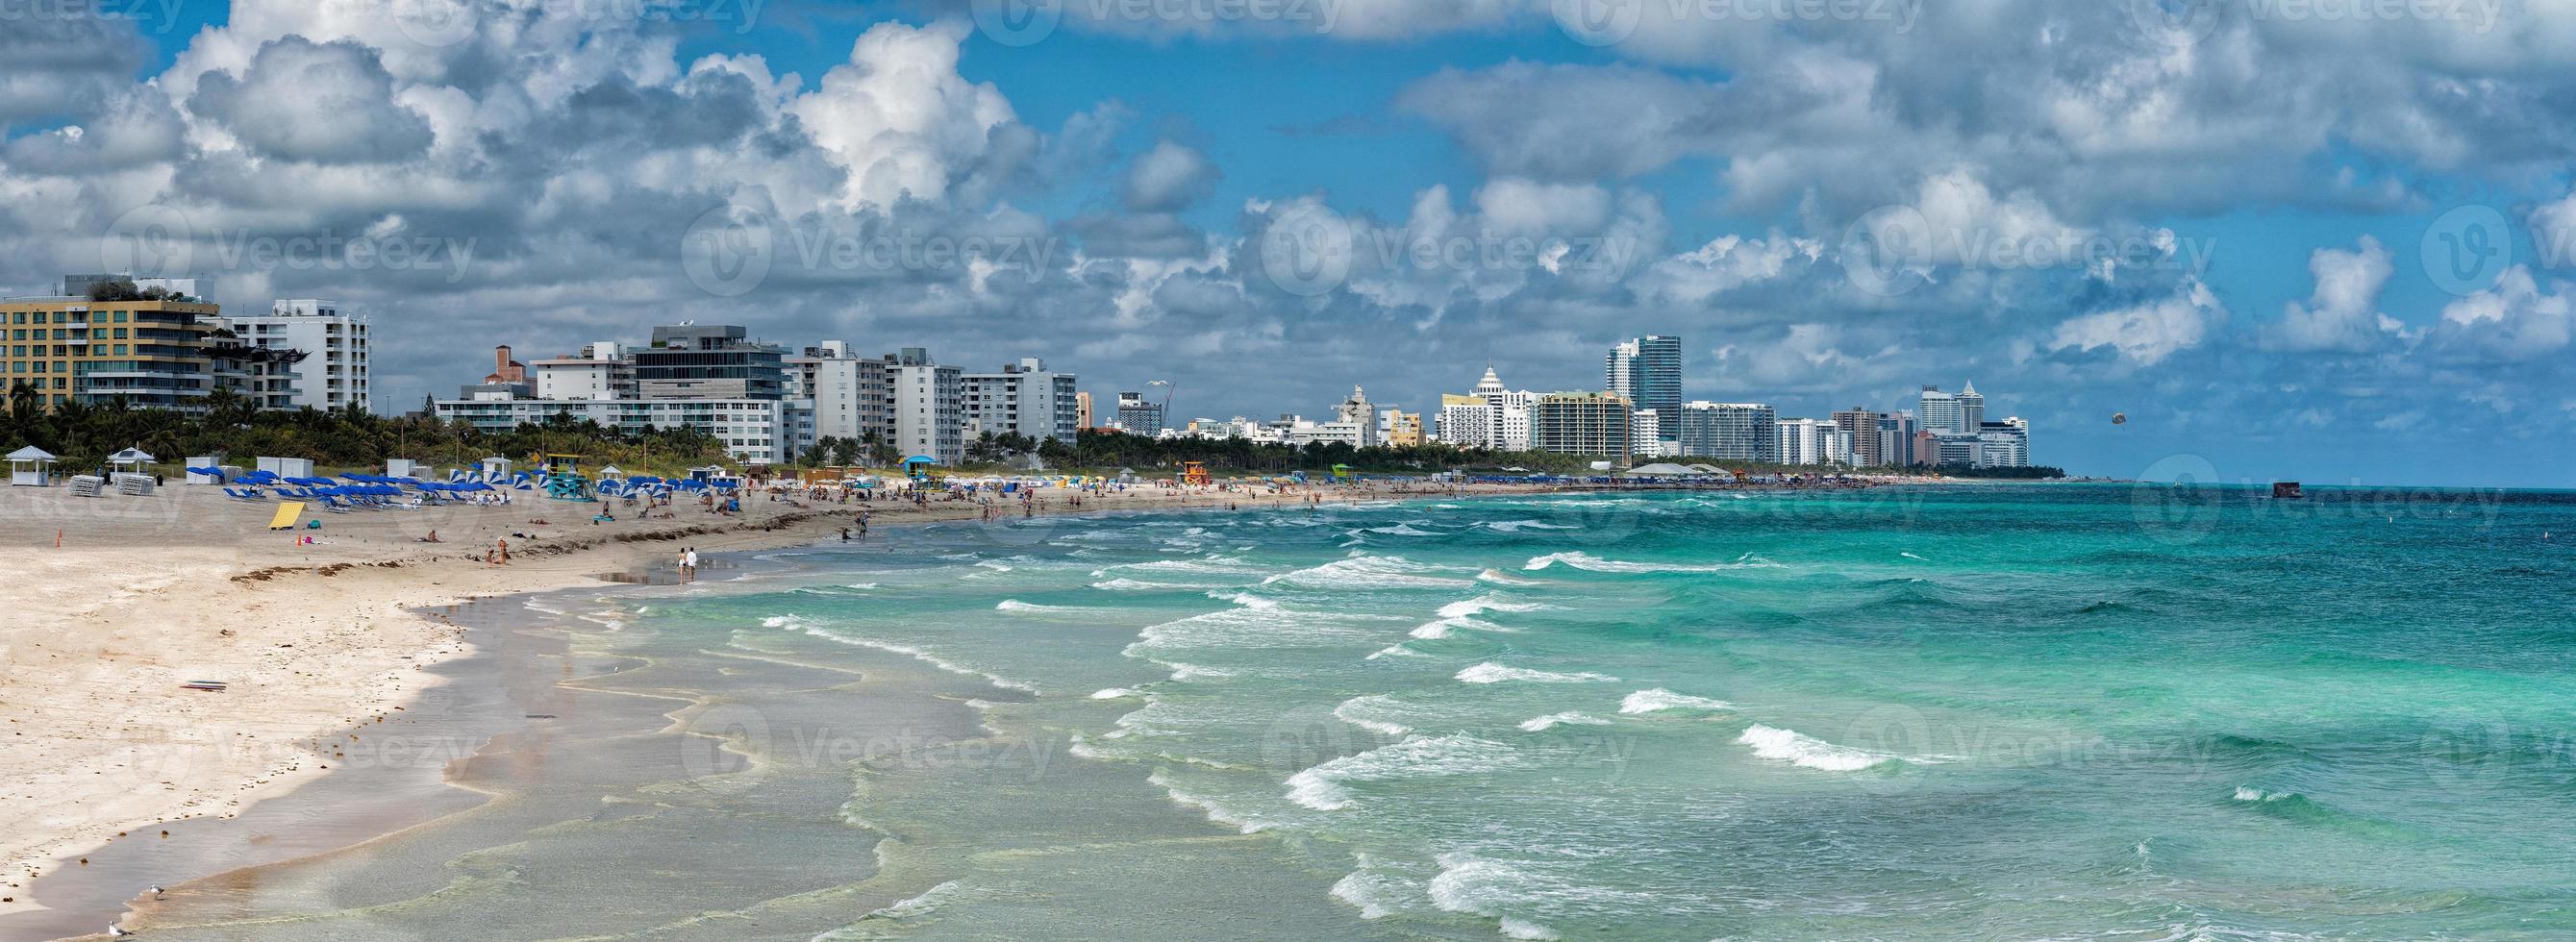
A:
(30, 467)
(131, 459)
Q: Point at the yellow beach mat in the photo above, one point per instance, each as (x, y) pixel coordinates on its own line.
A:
(287, 514)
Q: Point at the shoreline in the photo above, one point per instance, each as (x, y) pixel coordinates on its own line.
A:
(396, 643)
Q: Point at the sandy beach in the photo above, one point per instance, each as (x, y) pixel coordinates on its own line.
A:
(120, 601)
(123, 600)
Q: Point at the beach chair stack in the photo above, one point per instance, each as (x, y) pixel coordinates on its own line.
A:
(88, 485)
(134, 485)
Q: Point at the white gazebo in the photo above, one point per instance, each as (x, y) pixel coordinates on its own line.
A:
(30, 467)
(611, 473)
(130, 460)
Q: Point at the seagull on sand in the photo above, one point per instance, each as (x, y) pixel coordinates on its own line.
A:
(157, 891)
(117, 931)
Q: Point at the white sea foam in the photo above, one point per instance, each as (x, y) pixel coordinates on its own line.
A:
(1491, 673)
(1215, 812)
(1245, 599)
(1586, 561)
(1405, 529)
(1806, 751)
(1123, 584)
(1499, 577)
(1367, 890)
(1481, 887)
(2250, 793)
(1660, 699)
(1210, 570)
(1015, 605)
(1324, 787)
(1369, 572)
(1394, 650)
(1486, 603)
(1369, 713)
(1440, 629)
(1516, 526)
(1912, 557)
(1114, 693)
(924, 904)
(1567, 718)
(794, 623)
(1246, 626)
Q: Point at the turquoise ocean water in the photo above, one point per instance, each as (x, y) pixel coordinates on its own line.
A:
(2099, 712)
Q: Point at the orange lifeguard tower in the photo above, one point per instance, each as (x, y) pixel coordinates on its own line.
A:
(1194, 473)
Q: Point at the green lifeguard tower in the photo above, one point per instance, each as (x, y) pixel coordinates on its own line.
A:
(1341, 472)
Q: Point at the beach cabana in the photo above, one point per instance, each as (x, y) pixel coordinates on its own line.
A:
(287, 467)
(131, 460)
(30, 467)
(205, 469)
(495, 469)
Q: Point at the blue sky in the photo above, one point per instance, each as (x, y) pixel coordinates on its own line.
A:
(1758, 178)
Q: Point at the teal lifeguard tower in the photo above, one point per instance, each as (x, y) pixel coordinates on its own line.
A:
(563, 478)
(918, 467)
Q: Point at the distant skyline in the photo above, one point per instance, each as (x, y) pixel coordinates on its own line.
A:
(2283, 244)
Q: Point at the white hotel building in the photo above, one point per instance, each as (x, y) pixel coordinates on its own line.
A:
(334, 373)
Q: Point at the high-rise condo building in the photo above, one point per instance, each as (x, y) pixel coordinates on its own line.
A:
(709, 378)
(333, 374)
(144, 341)
(1862, 425)
(1647, 372)
(1023, 399)
(1727, 431)
(1138, 415)
(1581, 423)
(929, 405)
(842, 395)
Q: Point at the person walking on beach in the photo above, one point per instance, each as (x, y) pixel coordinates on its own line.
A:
(689, 563)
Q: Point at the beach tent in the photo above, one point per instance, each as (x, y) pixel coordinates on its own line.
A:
(131, 460)
(30, 467)
(1660, 471)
